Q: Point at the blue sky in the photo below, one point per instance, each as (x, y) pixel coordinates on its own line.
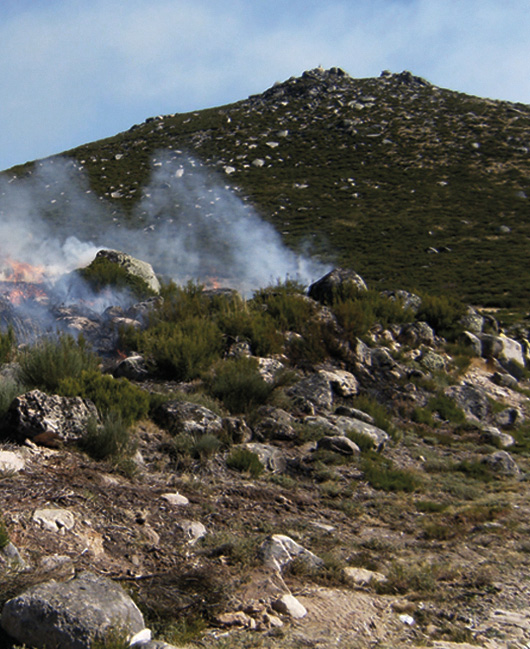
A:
(73, 71)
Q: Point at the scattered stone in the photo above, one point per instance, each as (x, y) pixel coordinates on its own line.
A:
(278, 551)
(133, 368)
(175, 499)
(11, 462)
(339, 444)
(503, 464)
(70, 615)
(497, 438)
(11, 556)
(193, 530)
(239, 619)
(362, 577)
(336, 282)
(289, 605)
(54, 519)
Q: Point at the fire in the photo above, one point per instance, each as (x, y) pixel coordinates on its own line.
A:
(19, 271)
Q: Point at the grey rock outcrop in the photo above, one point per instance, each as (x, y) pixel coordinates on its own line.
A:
(48, 419)
(334, 283)
(70, 615)
(278, 551)
(502, 463)
(472, 400)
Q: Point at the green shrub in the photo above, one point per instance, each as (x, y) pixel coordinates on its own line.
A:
(442, 313)
(239, 385)
(180, 350)
(52, 360)
(4, 534)
(243, 460)
(109, 440)
(9, 389)
(447, 409)
(103, 273)
(378, 411)
(109, 394)
(382, 475)
(7, 345)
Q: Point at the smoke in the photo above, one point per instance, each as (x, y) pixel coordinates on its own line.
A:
(193, 226)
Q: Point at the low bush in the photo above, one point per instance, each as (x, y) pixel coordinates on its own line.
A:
(109, 395)
(245, 461)
(4, 534)
(443, 314)
(7, 345)
(9, 389)
(238, 384)
(109, 440)
(382, 475)
(52, 360)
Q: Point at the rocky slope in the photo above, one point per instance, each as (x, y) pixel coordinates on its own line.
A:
(373, 497)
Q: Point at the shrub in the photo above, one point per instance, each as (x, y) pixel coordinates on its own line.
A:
(4, 534)
(52, 360)
(446, 409)
(9, 389)
(382, 475)
(7, 345)
(109, 440)
(109, 395)
(243, 460)
(443, 314)
(239, 385)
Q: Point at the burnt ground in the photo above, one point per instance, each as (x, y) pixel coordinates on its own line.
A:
(455, 549)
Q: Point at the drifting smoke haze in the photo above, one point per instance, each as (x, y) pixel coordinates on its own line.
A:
(194, 226)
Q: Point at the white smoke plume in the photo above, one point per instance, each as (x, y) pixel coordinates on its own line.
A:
(194, 226)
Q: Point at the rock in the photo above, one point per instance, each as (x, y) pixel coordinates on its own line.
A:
(504, 380)
(270, 456)
(275, 424)
(175, 499)
(361, 576)
(472, 400)
(472, 321)
(45, 418)
(313, 392)
(186, 417)
(348, 424)
(278, 551)
(238, 619)
(497, 438)
(342, 383)
(193, 530)
(502, 463)
(472, 341)
(10, 556)
(11, 462)
(141, 311)
(133, 368)
(135, 267)
(409, 300)
(354, 413)
(70, 615)
(237, 429)
(289, 605)
(509, 417)
(337, 282)
(414, 334)
(502, 348)
(383, 361)
(54, 519)
(339, 444)
(268, 368)
(432, 362)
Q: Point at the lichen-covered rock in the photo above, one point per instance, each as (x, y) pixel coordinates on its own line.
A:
(70, 615)
(275, 424)
(313, 392)
(337, 281)
(48, 419)
(185, 417)
(472, 400)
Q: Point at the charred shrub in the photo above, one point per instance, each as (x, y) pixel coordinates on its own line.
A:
(110, 395)
(52, 360)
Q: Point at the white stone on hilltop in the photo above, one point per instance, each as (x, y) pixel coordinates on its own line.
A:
(175, 499)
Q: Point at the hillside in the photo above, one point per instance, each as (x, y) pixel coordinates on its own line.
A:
(409, 184)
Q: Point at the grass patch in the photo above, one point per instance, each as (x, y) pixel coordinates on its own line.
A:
(245, 461)
(383, 476)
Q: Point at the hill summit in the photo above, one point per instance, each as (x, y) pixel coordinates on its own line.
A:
(410, 184)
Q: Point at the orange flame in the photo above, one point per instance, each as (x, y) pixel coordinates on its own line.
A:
(19, 271)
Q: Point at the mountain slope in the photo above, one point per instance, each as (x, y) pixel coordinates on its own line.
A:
(411, 185)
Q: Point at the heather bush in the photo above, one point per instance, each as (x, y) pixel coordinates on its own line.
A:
(243, 460)
(9, 389)
(4, 534)
(7, 345)
(238, 384)
(109, 440)
(52, 360)
(443, 314)
(110, 395)
(381, 474)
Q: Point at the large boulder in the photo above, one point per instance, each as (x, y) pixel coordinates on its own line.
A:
(70, 615)
(135, 267)
(47, 419)
(337, 282)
